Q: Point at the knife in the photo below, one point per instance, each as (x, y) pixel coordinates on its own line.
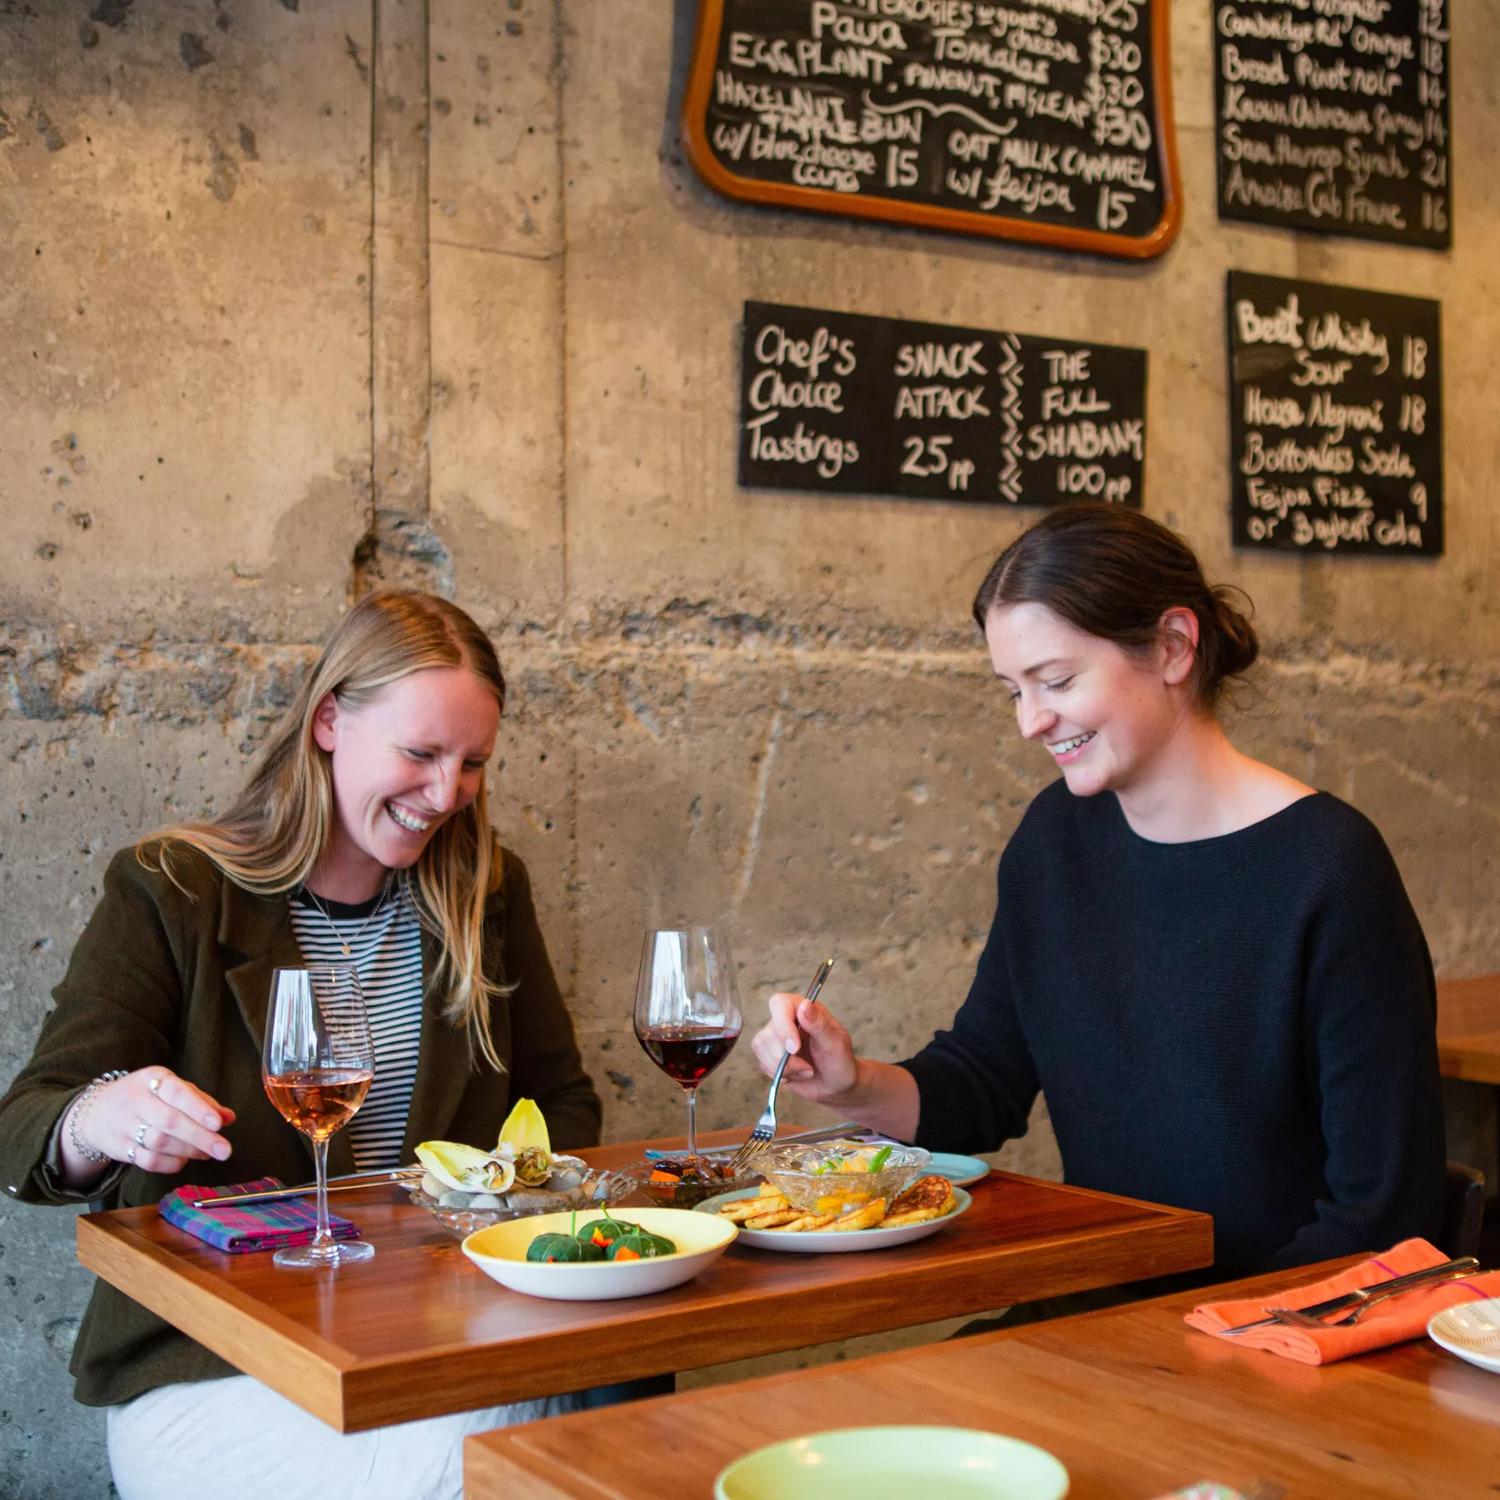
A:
(849, 1128)
(335, 1185)
(1353, 1299)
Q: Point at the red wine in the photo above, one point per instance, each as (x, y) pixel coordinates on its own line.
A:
(688, 1053)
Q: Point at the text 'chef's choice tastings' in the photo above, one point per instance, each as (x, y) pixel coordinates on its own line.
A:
(1042, 120)
(1333, 115)
(1336, 418)
(855, 404)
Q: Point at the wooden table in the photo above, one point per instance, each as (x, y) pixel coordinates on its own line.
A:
(419, 1332)
(1132, 1402)
(1469, 1028)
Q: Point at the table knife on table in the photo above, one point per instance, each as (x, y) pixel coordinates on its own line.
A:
(335, 1185)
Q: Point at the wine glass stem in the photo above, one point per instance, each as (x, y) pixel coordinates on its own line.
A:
(692, 1135)
(323, 1239)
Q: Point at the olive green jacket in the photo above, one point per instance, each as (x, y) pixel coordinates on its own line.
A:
(181, 977)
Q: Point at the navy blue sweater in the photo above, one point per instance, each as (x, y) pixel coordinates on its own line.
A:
(1242, 1025)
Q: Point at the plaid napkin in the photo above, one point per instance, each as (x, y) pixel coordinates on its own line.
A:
(241, 1227)
(1403, 1316)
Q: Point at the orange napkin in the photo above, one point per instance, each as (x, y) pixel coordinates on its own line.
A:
(1402, 1317)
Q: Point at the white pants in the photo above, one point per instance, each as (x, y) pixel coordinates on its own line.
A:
(237, 1436)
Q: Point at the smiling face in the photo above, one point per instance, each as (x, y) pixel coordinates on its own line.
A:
(1104, 714)
(403, 764)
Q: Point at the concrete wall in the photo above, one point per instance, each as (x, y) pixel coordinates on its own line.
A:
(300, 297)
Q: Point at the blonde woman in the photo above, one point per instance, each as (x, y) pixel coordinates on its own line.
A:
(363, 833)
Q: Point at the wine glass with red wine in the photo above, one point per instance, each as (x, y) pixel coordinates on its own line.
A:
(687, 1009)
(317, 1066)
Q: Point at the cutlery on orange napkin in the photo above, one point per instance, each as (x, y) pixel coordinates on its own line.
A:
(1392, 1321)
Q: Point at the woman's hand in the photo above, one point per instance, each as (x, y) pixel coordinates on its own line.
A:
(823, 1065)
(824, 1069)
(152, 1119)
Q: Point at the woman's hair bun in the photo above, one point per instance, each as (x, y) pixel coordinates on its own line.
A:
(1238, 644)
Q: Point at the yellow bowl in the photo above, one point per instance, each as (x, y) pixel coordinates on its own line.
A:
(500, 1252)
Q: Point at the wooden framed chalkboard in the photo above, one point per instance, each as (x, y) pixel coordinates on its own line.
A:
(1030, 120)
(1334, 117)
(842, 402)
(1336, 432)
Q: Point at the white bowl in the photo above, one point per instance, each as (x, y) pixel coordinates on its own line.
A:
(500, 1252)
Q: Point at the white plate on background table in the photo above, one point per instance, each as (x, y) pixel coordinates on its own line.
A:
(1471, 1330)
(833, 1241)
(895, 1463)
(961, 1171)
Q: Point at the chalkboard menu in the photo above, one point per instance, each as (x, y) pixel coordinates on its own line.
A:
(1040, 120)
(1333, 115)
(1336, 418)
(854, 404)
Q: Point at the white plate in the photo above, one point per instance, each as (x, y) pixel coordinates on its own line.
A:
(500, 1252)
(895, 1463)
(826, 1242)
(1471, 1331)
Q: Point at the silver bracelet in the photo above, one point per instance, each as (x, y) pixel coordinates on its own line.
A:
(80, 1108)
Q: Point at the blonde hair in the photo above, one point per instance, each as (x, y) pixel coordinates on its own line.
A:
(273, 834)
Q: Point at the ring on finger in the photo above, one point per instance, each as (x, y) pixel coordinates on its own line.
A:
(130, 1155)
(154, 1085)
(140, 1133)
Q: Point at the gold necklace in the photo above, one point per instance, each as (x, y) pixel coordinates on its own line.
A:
(343, 942)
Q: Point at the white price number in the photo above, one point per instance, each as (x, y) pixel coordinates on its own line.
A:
(1114, 207)
(1114, 126)
(925, 456)
(1414, 416)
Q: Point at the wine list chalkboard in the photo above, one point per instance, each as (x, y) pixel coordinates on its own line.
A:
(855, 404)
(1040, 120)
(1333, 115)
(1336, 418)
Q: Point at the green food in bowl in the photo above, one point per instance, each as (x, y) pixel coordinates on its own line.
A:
(555, 1249)
(605, 1238)
(640, 1244)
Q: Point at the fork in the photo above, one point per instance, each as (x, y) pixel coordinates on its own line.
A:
(765, 1127)
(1298, 1319)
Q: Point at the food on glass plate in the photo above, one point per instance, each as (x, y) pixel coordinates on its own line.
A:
(466, 1187)
(927, 1198)
(604, 1238)
(685, 1181)
(841, 1177)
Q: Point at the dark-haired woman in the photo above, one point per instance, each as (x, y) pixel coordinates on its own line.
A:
(1210, 970)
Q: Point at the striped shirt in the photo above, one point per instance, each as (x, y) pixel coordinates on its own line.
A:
(386, 950)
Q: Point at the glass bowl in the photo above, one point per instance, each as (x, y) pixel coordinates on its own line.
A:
(684, 1182)
(836, 1176)
(573, 1184)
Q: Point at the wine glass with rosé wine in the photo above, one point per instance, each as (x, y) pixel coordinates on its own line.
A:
(317, 1066)
(687, 1009)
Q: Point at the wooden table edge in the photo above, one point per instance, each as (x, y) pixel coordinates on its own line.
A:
(308, 1370)
(1474, 1056)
